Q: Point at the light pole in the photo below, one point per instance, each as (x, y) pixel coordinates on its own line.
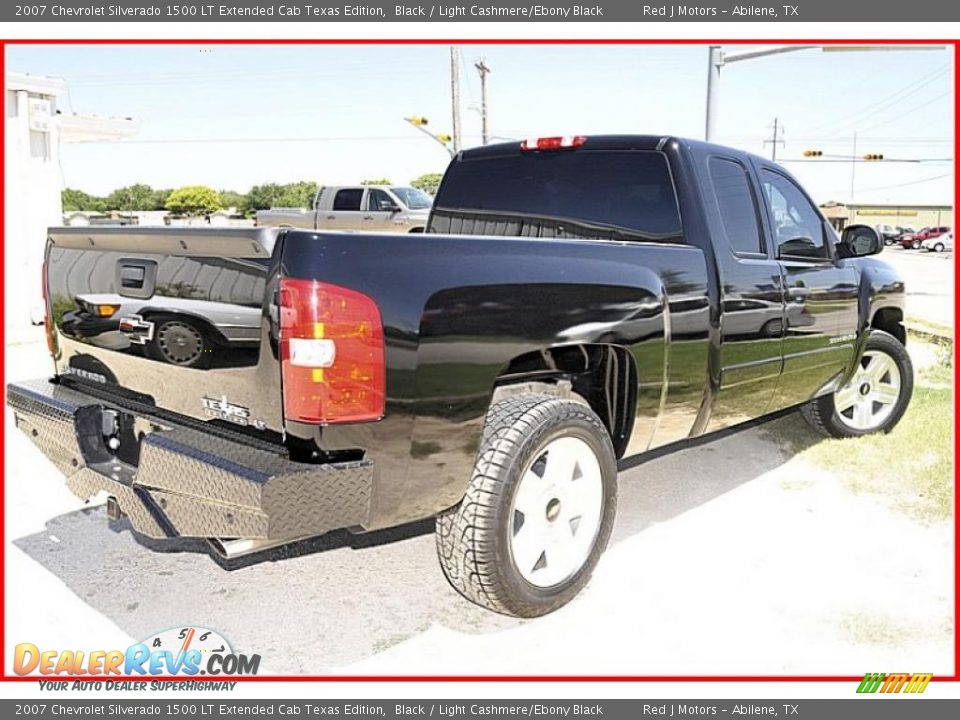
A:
(718, 58)
(419, 122)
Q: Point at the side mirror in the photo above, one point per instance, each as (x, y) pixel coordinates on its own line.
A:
(389, 207)
(859, 241)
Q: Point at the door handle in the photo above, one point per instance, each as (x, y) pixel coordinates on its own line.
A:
(368, 217)
(331, 217)
(798, 293)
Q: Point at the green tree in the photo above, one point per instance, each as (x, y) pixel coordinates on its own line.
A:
(263, 197)
(233, 199)
(298, 194)
(194, 200)
(74, 200)
(377, 181)
(428, 182)
(133, 197)
(159, 200)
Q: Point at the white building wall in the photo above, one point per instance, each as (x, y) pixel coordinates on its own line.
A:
(34, 132)
(32, 195)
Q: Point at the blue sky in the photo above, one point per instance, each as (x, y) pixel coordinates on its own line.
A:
(235, 116)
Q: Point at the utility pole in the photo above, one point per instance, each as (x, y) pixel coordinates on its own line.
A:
(482, 68)
(775, 140)
(455, 94)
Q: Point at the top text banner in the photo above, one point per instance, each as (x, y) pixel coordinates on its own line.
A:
(608, 11)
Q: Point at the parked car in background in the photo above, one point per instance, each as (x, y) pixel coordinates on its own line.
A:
(181, 331)
(940, 243)
(915, 240)
(371, 208)
(887, 233)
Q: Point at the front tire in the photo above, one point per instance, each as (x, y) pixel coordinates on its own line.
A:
(938, 247)
(874, 399)
(539, 509)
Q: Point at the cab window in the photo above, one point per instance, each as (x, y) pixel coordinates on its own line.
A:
(348, 199)
(738, 212)
(797, 226)
(379, 201)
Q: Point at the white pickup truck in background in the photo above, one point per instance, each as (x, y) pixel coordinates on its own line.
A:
(371, 208)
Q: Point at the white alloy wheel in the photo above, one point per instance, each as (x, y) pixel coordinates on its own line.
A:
(556, 512)
(870, 397)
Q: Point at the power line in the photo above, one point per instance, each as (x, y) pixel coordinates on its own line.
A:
(910, 111)
(905, 184)
(212, 141)
(856, 116)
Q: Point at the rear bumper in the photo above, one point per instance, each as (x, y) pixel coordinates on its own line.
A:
(188, 482)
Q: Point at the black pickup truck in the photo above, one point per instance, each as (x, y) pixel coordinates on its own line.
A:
(574, 302)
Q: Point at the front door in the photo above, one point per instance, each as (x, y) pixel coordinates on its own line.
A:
(379, 215)
(821, 291)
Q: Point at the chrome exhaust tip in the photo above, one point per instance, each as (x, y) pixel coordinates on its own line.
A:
(240, 547)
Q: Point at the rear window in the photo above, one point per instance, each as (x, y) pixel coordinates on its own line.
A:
(738, 211)
(348, 199)
(628, 191)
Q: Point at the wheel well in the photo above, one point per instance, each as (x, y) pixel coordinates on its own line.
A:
(417, 229)
(890, 320)
(604, 377)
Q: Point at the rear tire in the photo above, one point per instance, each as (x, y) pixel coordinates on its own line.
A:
(874, 400)
(539, 509)
(915, 244)
(938, 247)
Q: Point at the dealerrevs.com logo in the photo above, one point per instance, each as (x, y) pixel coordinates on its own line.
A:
(187, 651)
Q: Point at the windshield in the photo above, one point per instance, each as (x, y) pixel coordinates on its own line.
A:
(413, 198)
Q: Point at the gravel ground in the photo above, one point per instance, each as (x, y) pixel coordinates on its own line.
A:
(728, 558)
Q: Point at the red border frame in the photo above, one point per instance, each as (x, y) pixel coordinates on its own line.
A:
(499, 41)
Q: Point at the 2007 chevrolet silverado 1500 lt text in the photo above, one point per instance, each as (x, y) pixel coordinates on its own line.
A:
(574, 302)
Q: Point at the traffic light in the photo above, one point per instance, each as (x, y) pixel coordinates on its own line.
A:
(418, 120)
(873, 156)
(444, 138)
(812, 153)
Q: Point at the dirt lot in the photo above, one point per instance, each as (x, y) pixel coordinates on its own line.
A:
(735, 556)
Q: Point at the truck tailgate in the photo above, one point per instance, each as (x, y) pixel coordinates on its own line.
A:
(173, 318)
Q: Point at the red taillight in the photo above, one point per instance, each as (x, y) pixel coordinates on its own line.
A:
(331, 353)
(553, 143)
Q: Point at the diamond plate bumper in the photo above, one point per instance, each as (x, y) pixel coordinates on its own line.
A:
(188, 482)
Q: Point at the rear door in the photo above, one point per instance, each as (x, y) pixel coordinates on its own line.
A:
(346, 210)
(821, 291)
(752, 301)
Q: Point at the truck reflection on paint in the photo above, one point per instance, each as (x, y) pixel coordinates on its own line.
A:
(193, 312)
